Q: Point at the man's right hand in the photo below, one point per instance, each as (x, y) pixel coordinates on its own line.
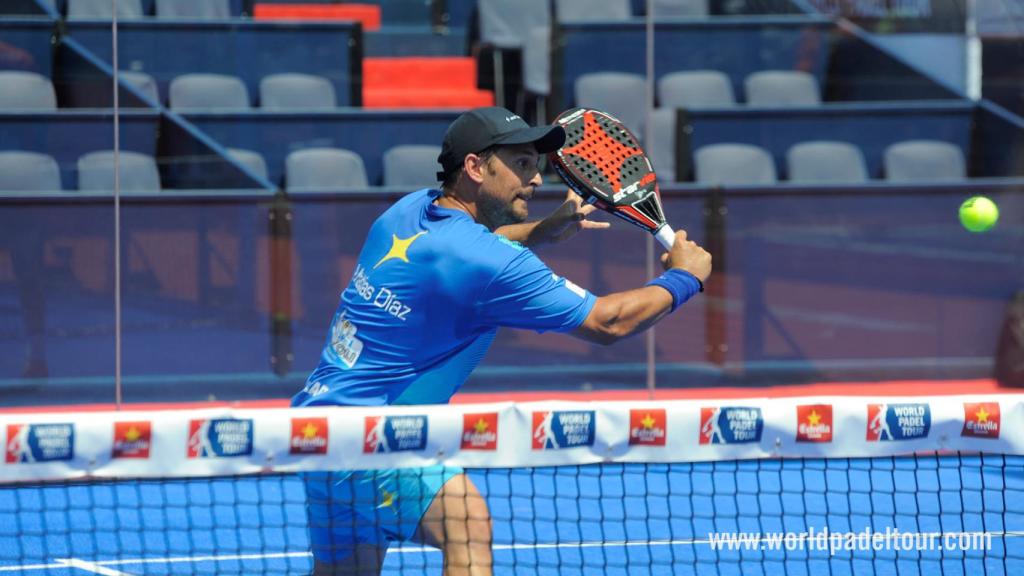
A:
(688, 255)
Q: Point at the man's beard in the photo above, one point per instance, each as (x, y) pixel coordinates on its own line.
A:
(499, 213)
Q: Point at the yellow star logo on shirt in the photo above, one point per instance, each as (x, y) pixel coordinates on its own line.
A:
(813, 418)
(480, 426)
(309, 431)
(982, 415)
(399, 247)
(132, 434)
(386, 498)
(647, 422)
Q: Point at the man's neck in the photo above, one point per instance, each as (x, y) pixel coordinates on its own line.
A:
(450, 200)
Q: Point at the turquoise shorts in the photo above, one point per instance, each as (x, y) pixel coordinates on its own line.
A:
(374, 507)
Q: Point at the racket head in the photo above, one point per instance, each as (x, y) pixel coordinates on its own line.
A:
(605, 164)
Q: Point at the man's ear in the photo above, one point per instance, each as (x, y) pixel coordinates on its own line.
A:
(474, 166)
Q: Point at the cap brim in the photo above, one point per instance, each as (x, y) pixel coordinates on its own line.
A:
(545, 138)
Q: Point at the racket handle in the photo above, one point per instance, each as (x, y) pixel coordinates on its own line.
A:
(666, 236)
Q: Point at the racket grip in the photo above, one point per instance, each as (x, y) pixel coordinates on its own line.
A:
(666, 236)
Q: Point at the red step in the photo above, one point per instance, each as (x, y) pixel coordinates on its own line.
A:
(367, 14)
(426, 98)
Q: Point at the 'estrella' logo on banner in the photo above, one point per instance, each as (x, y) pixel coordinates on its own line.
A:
(554, 429)
(132, 439)
(647, 427)
(730, 424)
(39, 443)
(394, 434)
(480, 431)
(892, 422)
(219, 438)
(981, 420)
(814, 423)
(309, 436)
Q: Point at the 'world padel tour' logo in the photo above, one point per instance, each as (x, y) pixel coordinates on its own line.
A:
(730, 424)
(480, 431)
(814, 423)
(555, 429)
(309, 436)
(394, 434)
(647, 427)
(894, 422)
(39, 443)
(132, 439)
(981, 420)
(219, 438)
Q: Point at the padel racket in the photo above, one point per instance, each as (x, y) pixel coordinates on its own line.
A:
(603, 162)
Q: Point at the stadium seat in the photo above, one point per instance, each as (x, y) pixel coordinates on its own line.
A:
(680, 8)
(138, 172)
(782, 88)
(201, 91)
(411, 165)
(573, 11)
(826, 161)
(198, 9)
(252, 160)
(28, 171)
(101, 9)
(324, 169)
(297, 91)
(143, 82)
(734, 165)
(616, 93)
(931, 160)
(696, 89)
(26, 91)
(660, 143)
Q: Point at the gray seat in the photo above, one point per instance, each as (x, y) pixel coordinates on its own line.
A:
(573, 11)
(734, 165)
(101, 9)
(931, 160)
(138, 172)
(205, 91)
(411, 165)
(142, 82)
(681, 8)
(324, 169)
(826, 161)
(252, 160)
(696, 89)
(782, 88)
(26, 91)
(303, 91)
(28, 171)
(199, 9)
(660, 143)
(618, 93)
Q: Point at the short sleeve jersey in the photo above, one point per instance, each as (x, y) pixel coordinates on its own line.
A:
(430, 289)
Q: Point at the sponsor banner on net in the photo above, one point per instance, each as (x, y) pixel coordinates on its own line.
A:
(825, 540)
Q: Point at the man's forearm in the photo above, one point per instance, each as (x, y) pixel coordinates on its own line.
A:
(524, 233)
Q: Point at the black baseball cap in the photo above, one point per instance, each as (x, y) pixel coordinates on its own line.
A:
(481, 128)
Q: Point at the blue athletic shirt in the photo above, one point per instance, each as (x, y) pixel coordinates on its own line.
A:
(428, 294)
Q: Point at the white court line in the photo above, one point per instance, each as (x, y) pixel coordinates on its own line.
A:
(90, 567)
(101, 564)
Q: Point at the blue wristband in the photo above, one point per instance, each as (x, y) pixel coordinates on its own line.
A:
(680, 284)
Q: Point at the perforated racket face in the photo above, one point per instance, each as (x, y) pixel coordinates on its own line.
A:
(603, 162)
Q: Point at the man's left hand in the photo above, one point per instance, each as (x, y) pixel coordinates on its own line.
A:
(567, 220)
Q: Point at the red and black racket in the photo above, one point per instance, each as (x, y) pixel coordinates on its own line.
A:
(603, 162)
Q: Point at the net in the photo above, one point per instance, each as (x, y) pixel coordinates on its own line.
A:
(574, 488)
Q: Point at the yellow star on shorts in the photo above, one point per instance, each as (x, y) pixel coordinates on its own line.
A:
(982, 415)
(647, 422)
(309, 431)
(813, 418)
(399, 247)
(480, 426)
